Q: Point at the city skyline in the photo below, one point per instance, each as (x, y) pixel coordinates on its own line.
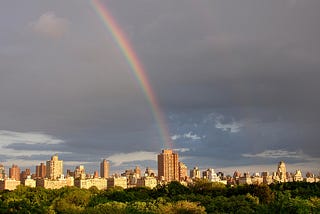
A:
(226, 85)
(167, 160)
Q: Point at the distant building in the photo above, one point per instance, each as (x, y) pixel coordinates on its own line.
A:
(195, 173)
(100, 183)
(96, 174)
(245, 179)
(55, 184)
(14, 172)
(298, 176)
(210, 175)
(104, 169)
(54, 168)
(150, 182)
(80, 172)
(29, 182)
(137, 171)
(256, 179)
(168, 167)
(2, 172)
(117, 182)
(289, 177)
(282, 172)
(24, 174)
(266, 178)
(41, 171)
(131, 176)
(183, 171)
(149, 173)
(9, 184)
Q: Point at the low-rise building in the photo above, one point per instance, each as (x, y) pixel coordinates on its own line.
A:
(9, 184)
(29, 182)
(245, 179)
(150, 182)
(117, 181)
(100, 183)
(266, 178)
(256, 180)
(298, 176)
(55, 184)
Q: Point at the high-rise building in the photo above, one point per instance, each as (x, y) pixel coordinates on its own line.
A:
(41, 171)
(80, 172)
(137, 171)
(168, 166)
(282, 172)
(54, 168)
(96, 174)
(2, 172)
(24, 174)
(149, 173)
(195, 173)
(183, 171)
(104, 169)
(14, 172)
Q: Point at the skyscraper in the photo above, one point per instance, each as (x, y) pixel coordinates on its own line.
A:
(41, 171)
(282, 171)
(2, 172)
(168, 166)
(195, 173)
(137, 171)
(24, 174)
(14, 172)
(104, 169)
(54, 168)
(80, 172)
(183, 171)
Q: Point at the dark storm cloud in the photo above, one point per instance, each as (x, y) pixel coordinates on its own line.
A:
(253, 64)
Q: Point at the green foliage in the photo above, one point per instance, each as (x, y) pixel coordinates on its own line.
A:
(106, 208)
(205, 187)
(181, 207)
(201, 197)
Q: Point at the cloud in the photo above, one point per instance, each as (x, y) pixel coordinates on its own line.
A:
(121, 158)
(175, 137)
(221, 123)
(188, 135)
(28, 163)
(191, 136)
(276, 154)
(182, 150)
(232, 127)
(50, 25)
(8, 138)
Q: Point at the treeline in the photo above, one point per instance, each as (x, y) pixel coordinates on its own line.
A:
(201, 197)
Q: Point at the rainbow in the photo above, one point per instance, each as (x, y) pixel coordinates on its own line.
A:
(136, 67)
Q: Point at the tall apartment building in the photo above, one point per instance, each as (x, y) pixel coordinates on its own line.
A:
(183, 171)
(137, 171)
(2, 172)
(104, 169)
(168, 166)
(41, 171)
(24, 174)
(54, 168)
(80, 172)
(282, 172)
(14, 172)
(195, 173)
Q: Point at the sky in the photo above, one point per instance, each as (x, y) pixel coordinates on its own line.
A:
(237, 83)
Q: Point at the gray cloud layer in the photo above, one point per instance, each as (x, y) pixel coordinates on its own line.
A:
(253, 64)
